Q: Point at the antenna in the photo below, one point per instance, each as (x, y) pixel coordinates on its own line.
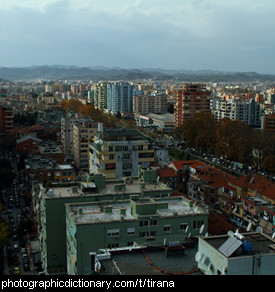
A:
(132, 246)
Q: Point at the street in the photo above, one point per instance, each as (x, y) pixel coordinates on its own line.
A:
(16, 251)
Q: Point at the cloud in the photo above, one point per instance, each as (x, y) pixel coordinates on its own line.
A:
(139, 33)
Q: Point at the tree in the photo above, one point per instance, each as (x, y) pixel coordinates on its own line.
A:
(200, 131)
(234, 140)
(4, 232)
(269, 163)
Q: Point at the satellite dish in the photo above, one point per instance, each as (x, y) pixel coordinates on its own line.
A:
(164, 241)
(223, 270)
(273, 235)
(249, 226)
(187, 228)
(259, 229)
(198, 256)
(201, 229)
(209, 267)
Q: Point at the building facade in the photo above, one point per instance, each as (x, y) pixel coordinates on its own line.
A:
(100, 95)
(82, 134)
(67, 126)
(118, 153)
(120, 97)
(189, 100)
(123, 225)
(236, 254)
(248, 112)
(49, 209)
(154, 103)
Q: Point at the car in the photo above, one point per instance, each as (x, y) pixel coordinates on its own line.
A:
(15, 247)
(26, 267)
(16, 271)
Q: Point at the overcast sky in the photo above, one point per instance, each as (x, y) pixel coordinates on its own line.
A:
(231, 35)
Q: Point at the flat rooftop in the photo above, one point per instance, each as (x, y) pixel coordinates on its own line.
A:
(111, 188)
(136, 263)
(94, 212)
(261, 243)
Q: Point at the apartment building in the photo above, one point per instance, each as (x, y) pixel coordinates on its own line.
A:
(82, 134)
(6, 119)
(269, 122)
(236, 254)
(189, 100)
(127, 225)
(154, 103)
(247, 112)
(120, 97)
(100, 95)
(117, 153)
(49, 208)
(67, 125)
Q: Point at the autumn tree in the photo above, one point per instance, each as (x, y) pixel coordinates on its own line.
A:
(233, 140)
(71, 105)
(200, 131)
(269, 163)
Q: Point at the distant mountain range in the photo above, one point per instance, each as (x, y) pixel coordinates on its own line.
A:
(61, 72)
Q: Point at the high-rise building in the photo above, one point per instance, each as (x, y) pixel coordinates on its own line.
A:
(6, 119)
(233, 109)
(67, 124)
(82, 134)
(120, 97)
(154, 103)
(100, 95)
(191, 99)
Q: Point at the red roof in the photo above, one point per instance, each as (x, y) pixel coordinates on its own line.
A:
(258, 183)
(167, 172)
(192, 163)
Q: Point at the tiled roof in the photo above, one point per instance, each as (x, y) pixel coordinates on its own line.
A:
(167, 172)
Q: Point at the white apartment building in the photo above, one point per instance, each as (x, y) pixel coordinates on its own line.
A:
(234, 109)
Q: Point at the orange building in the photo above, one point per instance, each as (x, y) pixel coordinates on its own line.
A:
(191, 99)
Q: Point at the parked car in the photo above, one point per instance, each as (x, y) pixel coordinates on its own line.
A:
(16, 271)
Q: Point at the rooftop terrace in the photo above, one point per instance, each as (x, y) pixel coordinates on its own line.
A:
(115, 211)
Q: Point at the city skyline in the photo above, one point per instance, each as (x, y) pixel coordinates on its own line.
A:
(192, 35)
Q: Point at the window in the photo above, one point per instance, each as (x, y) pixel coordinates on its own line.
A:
(197, 224)
(144, 223)
(183, 226)
(113, 245)
(131, 231)
(113, 232)
(167, 228)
